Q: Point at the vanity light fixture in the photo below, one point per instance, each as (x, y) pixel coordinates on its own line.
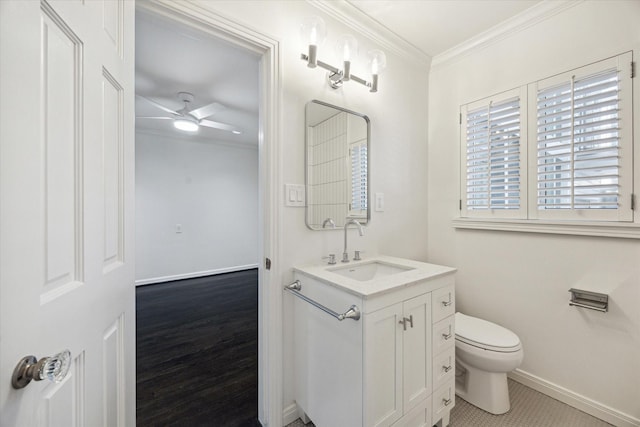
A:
(313, 31)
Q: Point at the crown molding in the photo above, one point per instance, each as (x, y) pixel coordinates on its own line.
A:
(532, 16)
(352, 17)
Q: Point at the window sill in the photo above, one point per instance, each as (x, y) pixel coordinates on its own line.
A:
(596, 229)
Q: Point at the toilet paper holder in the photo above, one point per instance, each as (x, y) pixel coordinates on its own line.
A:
(588, 299)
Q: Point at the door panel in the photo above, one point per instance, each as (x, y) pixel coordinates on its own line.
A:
(61, 167)
(66, 209)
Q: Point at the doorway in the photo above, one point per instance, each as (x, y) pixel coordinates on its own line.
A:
(198, 232)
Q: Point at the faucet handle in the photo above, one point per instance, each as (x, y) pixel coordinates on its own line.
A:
(331, 258)
(356, 256)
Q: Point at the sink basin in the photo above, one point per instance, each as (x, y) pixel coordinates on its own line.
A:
(369, 270)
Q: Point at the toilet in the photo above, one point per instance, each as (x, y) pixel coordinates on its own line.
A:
(485, 352)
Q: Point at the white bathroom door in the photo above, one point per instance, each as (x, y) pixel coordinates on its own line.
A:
(66, 209)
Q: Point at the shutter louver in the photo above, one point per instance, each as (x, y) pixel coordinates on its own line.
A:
(578, 143)
(359, 177)
(493, 156)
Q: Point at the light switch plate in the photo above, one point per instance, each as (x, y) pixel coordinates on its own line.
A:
(294, 195)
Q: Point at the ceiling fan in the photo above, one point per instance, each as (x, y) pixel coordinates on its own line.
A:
(190, 120)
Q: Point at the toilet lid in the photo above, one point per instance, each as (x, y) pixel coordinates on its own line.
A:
(484, 334)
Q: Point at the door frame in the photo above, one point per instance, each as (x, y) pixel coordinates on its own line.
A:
(270, 340)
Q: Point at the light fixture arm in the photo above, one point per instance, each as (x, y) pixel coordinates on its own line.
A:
(337, 76)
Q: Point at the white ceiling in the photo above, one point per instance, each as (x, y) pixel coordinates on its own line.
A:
(434, 26)
(172, 58)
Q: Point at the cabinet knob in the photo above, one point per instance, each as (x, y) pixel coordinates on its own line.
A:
(447, 303)
(446, 368)
(446, 402)
(447, 336)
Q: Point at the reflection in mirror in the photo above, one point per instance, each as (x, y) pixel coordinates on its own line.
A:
(337, 168)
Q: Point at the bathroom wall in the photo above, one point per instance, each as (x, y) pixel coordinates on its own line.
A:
(398, 144)
(196, 207)
(521, 279)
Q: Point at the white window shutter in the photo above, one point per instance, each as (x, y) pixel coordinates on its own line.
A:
(358, 154)
(583, 147)
(493, 140)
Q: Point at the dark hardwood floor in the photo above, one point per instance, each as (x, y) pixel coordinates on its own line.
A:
(197, 352)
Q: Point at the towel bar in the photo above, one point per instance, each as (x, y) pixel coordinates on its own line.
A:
(351, 313)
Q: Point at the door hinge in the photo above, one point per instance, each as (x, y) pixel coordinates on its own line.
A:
(633, 69)
(460, 204)
(267, 263)
(633, 202)
(460, 118)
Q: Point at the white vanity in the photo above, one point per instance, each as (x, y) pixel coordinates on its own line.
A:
(395, 364)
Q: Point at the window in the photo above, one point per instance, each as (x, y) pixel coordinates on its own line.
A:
(577, 156)
(584, 144)
(358, 154)
(493, 156)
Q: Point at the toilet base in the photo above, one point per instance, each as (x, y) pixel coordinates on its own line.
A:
(486, 390)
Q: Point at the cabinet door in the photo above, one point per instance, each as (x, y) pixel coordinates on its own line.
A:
(420, 416)
(416, 351)
(383, 366)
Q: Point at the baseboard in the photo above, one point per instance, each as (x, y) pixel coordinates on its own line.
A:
(162, 279)
(290, 414)
(575, 400)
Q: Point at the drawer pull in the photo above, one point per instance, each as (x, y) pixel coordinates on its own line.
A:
(446, 336)
(446, 368)
(447, 303)
(446, 402)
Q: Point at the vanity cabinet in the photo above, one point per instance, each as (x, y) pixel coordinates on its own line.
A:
(393, 367)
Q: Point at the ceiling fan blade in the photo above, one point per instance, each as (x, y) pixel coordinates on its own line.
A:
(207, 110)
(160, 106)
(221, 126)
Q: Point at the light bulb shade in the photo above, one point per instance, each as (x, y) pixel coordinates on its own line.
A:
(347, 47)
(378, 61)
(186, 124)
(313, 30)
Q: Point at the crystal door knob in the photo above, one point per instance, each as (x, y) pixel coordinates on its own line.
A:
(54, 369)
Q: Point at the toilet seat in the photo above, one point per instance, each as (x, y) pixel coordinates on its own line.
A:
(486, 335)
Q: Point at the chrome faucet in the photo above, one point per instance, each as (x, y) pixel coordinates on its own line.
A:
(345, 254)
(330, 222)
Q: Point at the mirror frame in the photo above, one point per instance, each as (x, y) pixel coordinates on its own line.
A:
(306, 163)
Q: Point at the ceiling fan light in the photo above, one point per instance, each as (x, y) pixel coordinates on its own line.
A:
(185, 125)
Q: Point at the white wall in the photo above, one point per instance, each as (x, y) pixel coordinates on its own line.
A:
(209, 188)
(521, 280)
(398, 147)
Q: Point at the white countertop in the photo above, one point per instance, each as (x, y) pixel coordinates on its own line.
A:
(419, 271)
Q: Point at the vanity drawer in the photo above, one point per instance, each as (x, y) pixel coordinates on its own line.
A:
(444, 336)
(444, 367)
(443, 401)
(443, 303)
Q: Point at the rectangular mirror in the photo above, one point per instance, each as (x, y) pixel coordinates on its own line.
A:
(337, 166)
